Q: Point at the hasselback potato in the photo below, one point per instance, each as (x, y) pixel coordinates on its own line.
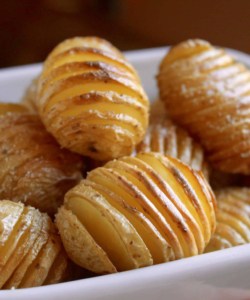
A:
(137, 211)
(91, 99)
(207, 92)
(33, 167)
(233, 219)
(31, 252)
(165, 137)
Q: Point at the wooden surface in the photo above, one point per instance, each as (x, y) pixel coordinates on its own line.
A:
(31, 28)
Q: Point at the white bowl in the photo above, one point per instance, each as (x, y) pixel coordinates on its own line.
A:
(219, 275)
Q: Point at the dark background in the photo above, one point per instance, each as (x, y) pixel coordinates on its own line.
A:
(31, 28)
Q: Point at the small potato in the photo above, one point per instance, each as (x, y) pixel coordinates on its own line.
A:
(91, 99)
(207, 92)
(31, 252)
(136, 211)
(165, 137)
(33, 167)
(233, 219)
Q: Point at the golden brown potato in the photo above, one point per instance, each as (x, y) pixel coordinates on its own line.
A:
(136, 211)
(33, 167)
(207, 92)
(91, 100)
(166, 138)
(233, 219)
(31, 252)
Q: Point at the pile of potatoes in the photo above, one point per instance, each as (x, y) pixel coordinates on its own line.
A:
(94, 178)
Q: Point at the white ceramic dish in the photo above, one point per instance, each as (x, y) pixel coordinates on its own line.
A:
(219, 275)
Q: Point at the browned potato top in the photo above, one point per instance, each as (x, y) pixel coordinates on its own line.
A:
(207, 92)
(91, 100)
(33, 167)
(165, 137)
(233, 219)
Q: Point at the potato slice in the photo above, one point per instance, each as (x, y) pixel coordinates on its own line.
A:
(156, 244)
(200, 188)
(24, 244)
(233, 224)
(58, 271)
(82, 55)
(166, 186)
(79, 244)
(41, 240)
(88, 82)
(18, 236)
(165, 137)
(38, 271)
(181, 187)
(30, 247)
(183, 244)
(89, 42)
(9, 216)
(110, 229)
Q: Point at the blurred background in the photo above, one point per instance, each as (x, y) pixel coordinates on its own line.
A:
(31, 28)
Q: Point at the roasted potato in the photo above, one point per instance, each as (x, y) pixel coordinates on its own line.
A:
(233, 219)
(33, 167)
(207, 92)
(164, 137)
(136, 211)
(31, 252)
(91, 99)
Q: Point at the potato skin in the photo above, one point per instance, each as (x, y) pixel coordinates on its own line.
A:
(207, 92)
(34, 169)
(165, 137)
(91, 100)
(30, 248)
(233, 222)
(79, 244)
(163, 200)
